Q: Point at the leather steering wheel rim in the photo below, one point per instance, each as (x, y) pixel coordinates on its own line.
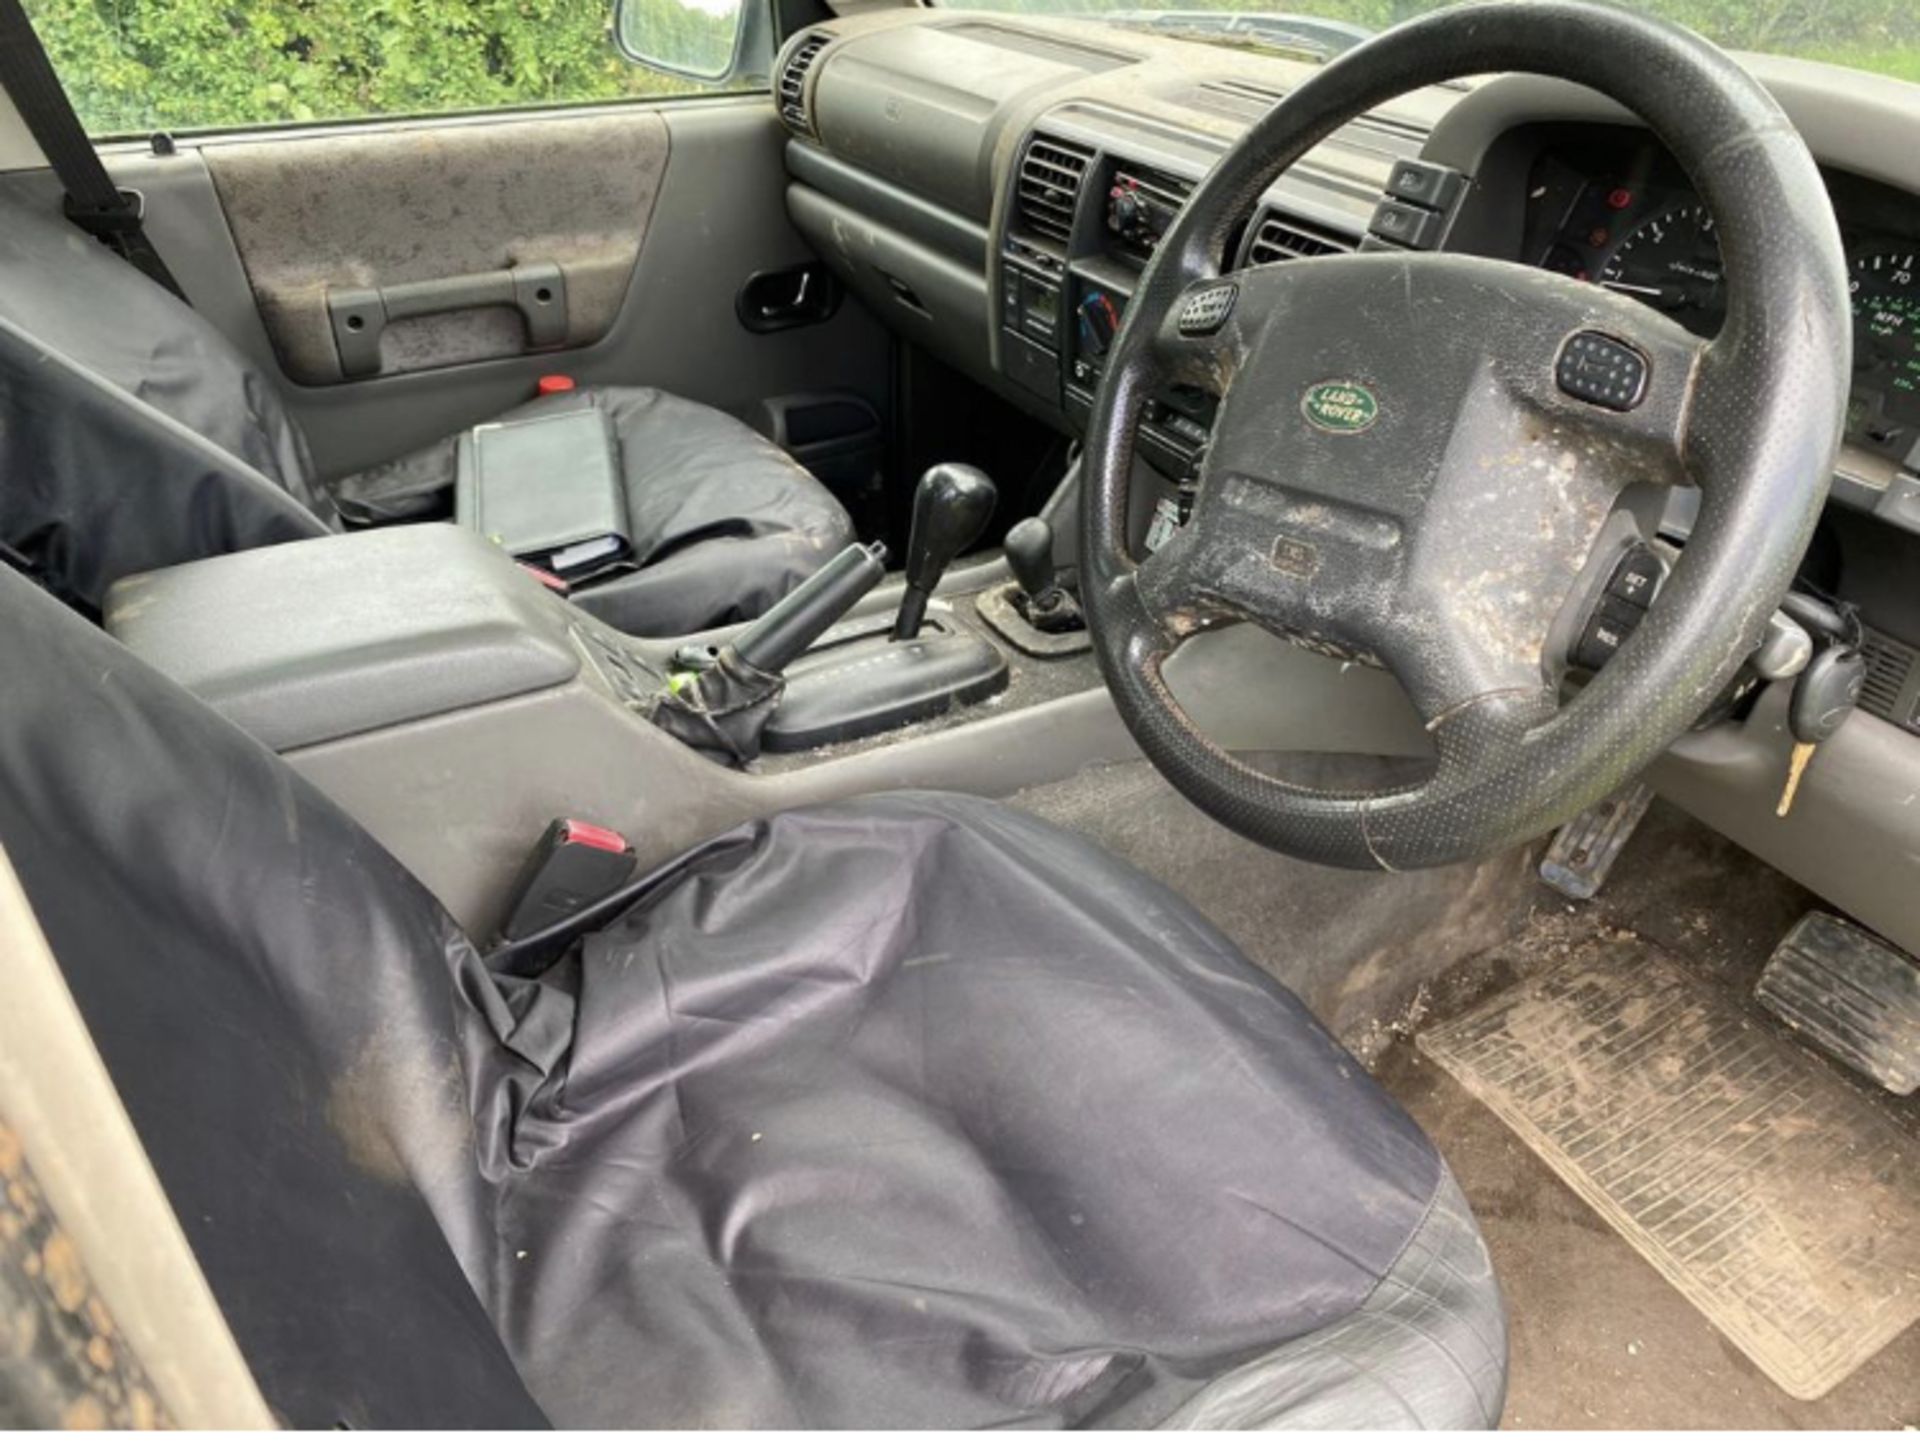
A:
(1431, 539)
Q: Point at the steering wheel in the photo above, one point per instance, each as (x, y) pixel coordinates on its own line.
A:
(1414, 454)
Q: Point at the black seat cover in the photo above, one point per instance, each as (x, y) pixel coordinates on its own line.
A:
(906, 1111)
(723, 522)
(238, 947)
(133, 436)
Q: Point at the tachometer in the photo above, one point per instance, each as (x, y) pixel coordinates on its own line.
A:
(1671, 261)
(1886, 344)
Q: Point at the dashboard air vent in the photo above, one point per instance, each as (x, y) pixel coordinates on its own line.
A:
(1281, 237)
(793, 82)
(1048, 184)
(1889, 663)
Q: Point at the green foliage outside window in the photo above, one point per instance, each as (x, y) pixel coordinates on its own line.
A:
(135, 66)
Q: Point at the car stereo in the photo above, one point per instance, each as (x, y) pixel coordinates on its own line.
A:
(1141, 205)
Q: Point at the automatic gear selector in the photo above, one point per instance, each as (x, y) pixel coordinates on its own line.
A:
(951, 506)
(864, 683)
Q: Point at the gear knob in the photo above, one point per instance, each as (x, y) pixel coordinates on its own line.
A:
(951, 506)
(1029, 549)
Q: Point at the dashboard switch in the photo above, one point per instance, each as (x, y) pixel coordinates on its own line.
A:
(1013, 300)
(1206, 310)
(1424, 183)
(1413, 226)
(1602, 371)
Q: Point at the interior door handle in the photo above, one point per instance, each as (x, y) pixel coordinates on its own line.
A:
(781, 299)
(796, 302)
(360, 316)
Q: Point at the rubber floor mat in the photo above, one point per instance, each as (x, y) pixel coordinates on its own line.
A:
(1780, 1198)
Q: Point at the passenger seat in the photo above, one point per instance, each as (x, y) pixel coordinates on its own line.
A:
(134, 436)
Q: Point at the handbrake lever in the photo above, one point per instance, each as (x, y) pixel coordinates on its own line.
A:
(806, 613)
(722, 707)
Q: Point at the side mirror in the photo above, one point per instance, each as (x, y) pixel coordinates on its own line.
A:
(696, 39)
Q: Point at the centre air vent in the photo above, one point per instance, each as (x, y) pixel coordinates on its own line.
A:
(1281, 237)
(793, 82)
(1048, 185)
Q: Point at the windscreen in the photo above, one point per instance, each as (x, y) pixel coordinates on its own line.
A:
(1877, 35)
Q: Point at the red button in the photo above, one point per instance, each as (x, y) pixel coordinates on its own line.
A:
(554, 384)
(598, 838)
(547, 578)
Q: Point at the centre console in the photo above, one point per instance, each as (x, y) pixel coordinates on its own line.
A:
(1081, 223)
(307, 645)
(1082, 228)
(455, 705)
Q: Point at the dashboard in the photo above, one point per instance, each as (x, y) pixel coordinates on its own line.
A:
(993, 187)
(1045, 158)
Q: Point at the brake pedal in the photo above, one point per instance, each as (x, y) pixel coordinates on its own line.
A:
(1585, 848)
(1852, 995)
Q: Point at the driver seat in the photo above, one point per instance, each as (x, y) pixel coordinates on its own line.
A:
(906, 1111)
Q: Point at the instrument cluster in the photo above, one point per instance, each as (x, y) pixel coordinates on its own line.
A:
(1630, 223)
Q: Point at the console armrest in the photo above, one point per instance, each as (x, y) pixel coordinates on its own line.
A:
(319, 639)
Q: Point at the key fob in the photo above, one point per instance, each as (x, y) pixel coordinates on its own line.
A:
(1825, 693)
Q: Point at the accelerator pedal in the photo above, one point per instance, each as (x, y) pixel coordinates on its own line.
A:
(1852, 995)
(1585, 848)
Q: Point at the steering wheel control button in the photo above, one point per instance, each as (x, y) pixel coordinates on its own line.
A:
(1205, 311)
(1637, 577)
(1606, 632)
(1602, 371)
(1421, 182)
(1413, 226)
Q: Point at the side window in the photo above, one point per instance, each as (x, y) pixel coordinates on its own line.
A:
(133, 67)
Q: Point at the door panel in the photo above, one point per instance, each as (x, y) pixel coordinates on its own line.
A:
(717, 217)
(313, 217)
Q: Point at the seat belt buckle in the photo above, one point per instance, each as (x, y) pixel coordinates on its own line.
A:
(547, 578)
(574, 866)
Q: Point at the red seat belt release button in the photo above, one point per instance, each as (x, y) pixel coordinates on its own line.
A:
(575, 866)
(553, 385)
(582, 833)
(547, 578)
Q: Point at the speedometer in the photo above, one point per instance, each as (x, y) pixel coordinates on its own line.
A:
(1885, 285)
(1671, 261)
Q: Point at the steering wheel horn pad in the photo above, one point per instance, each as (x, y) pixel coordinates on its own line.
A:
(1410, 467)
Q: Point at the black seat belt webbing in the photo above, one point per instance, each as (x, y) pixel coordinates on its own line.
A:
(94, 202)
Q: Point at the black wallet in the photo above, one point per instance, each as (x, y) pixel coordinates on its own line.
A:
(547, 491)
